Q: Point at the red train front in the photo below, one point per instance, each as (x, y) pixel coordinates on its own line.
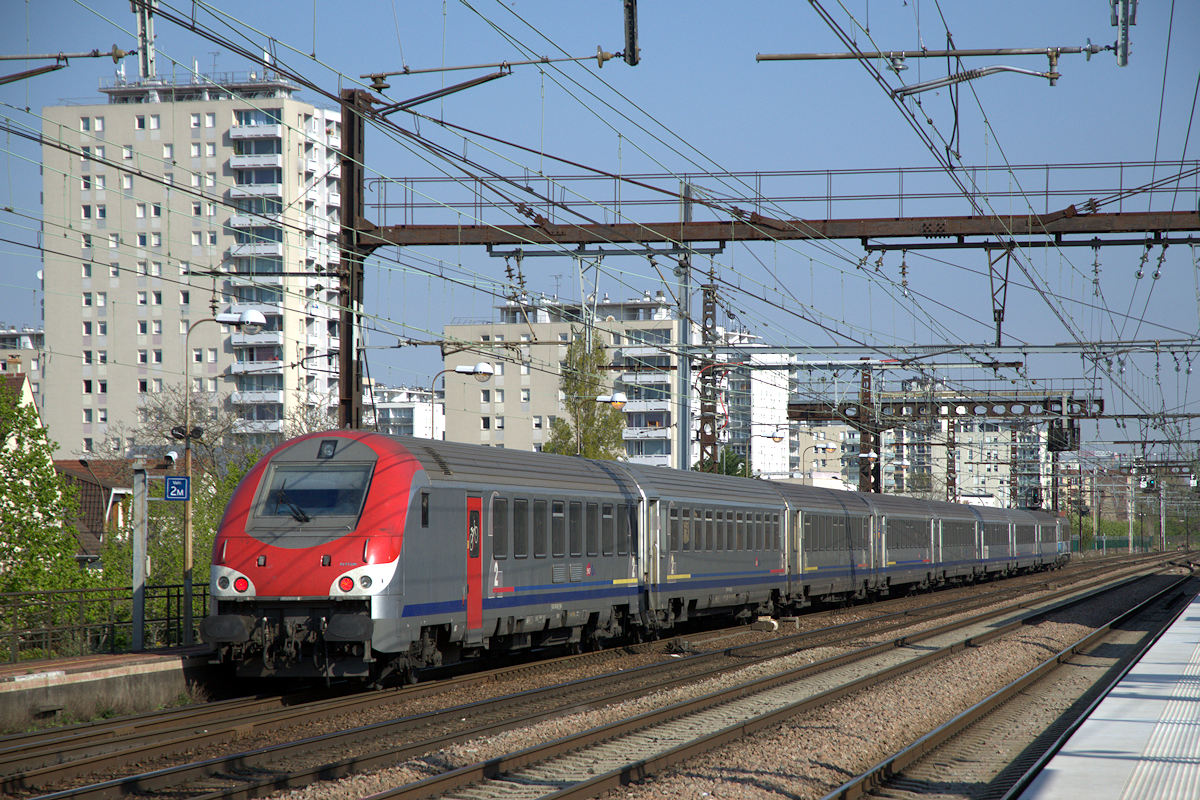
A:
(306, 559)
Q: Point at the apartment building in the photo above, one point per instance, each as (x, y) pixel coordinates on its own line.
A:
(516, 406)
(166, 204)
(22, 350)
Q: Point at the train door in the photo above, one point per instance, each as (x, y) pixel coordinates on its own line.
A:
(654, 554)
(474, 588)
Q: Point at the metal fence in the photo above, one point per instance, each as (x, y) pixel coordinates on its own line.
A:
(76, 622)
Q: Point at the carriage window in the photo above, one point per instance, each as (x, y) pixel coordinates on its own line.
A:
(576, 527)
(424, 509)
(685, 529)
(592, 529)
(607, 530)
(719, 531)
(558, 529)
(673, 530)
(625, 521)
(730, 536)
(520, 529)
(741, 532)
(758, 530)
(775, 533)
(710, 533)
(500, 528)
(539, 528)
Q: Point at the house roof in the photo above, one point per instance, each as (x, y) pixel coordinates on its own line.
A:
(97, 480)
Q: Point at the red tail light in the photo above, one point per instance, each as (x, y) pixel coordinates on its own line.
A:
(241, 584)
(346, 583)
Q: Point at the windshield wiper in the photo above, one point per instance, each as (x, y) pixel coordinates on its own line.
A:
(297, 512)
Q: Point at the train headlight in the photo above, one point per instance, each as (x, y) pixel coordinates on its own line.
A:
(241, 584)
(346, 583)
(223, 582)
(365, 581)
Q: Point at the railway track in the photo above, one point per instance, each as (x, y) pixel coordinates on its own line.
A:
(314, 758)
(996, 747)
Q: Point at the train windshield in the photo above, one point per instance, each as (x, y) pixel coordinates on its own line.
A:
(303, 491)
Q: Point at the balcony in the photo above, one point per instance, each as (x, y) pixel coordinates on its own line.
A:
(652, 461)
(256, 190)
(256, 132)
(644, 378)
(254, 220)
(238, 339)
(257, 249)
(255, 279)
(250, 367)
(265, 309)
(640, 350)
(333, 199)
(252, 398)
(646, 433)
(634, 406)
(252, 162)
(257, 426)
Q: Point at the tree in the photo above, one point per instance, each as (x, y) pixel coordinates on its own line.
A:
(37, 543)
(594, 429)
(728, 463)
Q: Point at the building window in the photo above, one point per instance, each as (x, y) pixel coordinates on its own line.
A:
(114, 270)
(101, 212)
(212, 238)
(156, 240)
(141, 268)
(210, 179)
(87, 386)
(195, 120)
(156, 327)
(499, 423)
(101, 356)
(98, 182)
(156, 209)
(85, 182)
(486, 423)
(154, 122)
(140, 211)
(87, 270)
(87, 299)
(142, 327)
(168, 152)
(85, 212)
(156, 298)
(87, 415)
(141, 240)
(197, 354)
(101, 328)
(537, 423)
(85, 123)
(139, 122)
(114, 241)
(210, 120)
(143, 385)
(196, 239)
(156, 385)
(212, 355)
(156, 269)
(87, 444)
(127, 152)
(101, 299)
(143, 357)
(87, 329)
(87, 356)
(127, 182)
(141, 298)
(195, 209)
(195, 154)
(485, 395)
(524, 395)
(157, 357)
(102, 387)
(210, 150)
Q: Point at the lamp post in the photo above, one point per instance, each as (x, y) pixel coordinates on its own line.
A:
(482, 371)
(815, 447)
(250, 322)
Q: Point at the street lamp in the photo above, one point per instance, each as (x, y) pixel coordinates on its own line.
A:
(482, 371)
(815, 447)
(250, 322)
(617, 400)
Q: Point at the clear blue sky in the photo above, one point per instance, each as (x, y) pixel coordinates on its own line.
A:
(699, 103)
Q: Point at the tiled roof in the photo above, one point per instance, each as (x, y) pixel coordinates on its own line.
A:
(95, 481)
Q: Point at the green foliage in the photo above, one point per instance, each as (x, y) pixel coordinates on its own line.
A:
(211, 491)
(728, 463)
(38, 545)
(594, 430)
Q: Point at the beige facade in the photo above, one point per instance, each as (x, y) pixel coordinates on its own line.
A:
(516, 407)
(164, 206)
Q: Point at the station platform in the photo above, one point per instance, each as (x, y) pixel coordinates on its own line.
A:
(86, 687)
(1142, 741)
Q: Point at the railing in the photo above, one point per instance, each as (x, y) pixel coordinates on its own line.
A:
(77, 622)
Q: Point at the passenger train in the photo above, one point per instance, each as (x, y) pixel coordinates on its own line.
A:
(356, 554)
